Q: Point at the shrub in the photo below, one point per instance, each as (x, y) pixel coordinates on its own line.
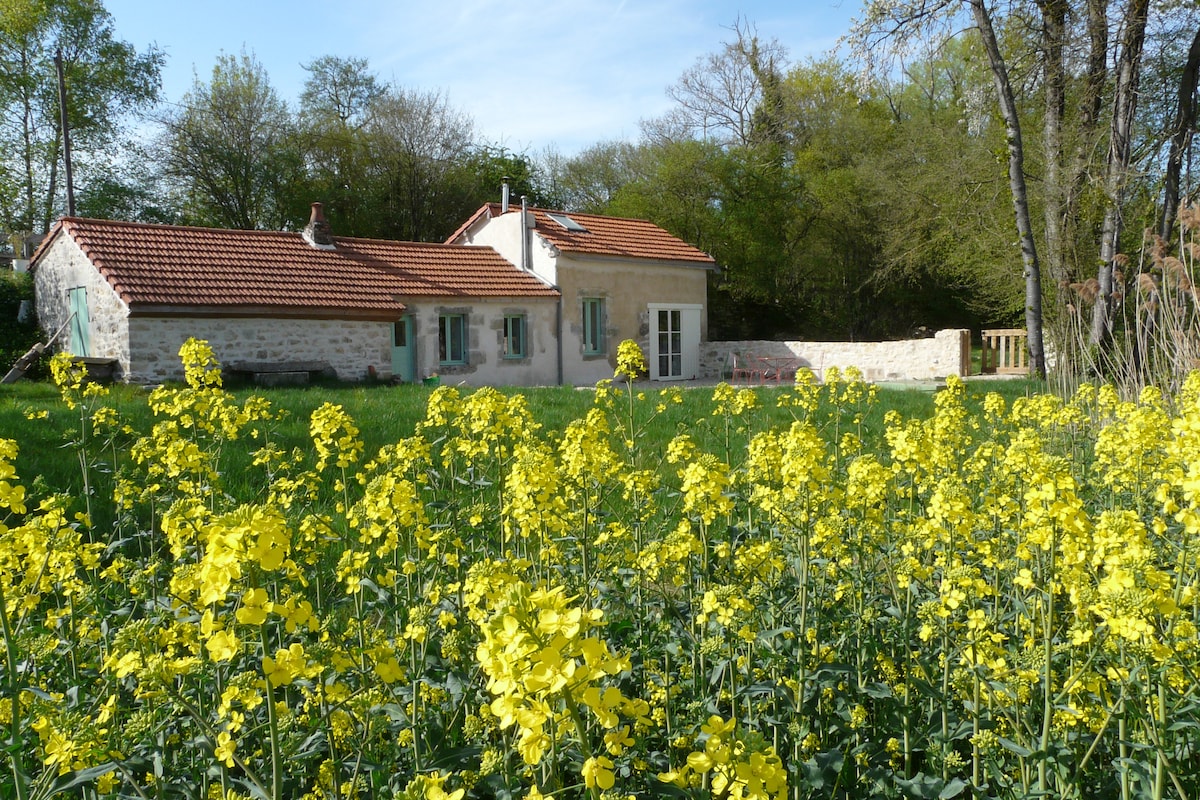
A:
(16, 336)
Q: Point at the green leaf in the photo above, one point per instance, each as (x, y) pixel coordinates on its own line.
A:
(929, 787)
(1013, 747)
(80, 777)
(455, 757)
(823, 768)
(952, 789)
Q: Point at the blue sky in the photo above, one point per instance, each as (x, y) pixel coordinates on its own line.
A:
(562, 73)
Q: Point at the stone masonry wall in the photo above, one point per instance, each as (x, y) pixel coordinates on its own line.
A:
(350, 347)
(911, 359)
(64, 267)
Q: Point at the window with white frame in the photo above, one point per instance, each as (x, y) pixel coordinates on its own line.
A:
(593, 326)
(452, 339)
(514, 336)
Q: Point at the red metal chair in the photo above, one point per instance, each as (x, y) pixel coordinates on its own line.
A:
(745, 368)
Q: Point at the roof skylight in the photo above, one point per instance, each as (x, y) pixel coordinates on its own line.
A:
(567, 223)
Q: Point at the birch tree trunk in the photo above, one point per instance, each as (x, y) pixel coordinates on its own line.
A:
(1128, 70)
(1090, 106)
(1181, 135)
(1054, 23)
(1016, 180)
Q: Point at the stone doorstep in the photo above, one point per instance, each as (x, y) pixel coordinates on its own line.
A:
(99, 370)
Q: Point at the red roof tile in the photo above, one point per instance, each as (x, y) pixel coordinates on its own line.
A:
(605, 236)
(166, 265)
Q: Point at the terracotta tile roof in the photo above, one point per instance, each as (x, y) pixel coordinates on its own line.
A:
(166, 265)
(605, 236)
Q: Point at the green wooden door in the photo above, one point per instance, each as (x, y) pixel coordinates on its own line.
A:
(81, 323)
(403, 353)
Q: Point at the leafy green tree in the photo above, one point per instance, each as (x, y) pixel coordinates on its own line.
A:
(232, 149)
(339, 89)
(117, 194)
(129, 188)
(106, 79)
(833, 137)
(839, 209)
(17, 335)
(675, 185)
(717, 172)
(589, 181)
(336, 104)
(943, 218)
(1180, 128)
(1106, 136)
(395, 163)
(418, 149)
(899, 21)
(1127, 73)
(720, 97)
(489, 165)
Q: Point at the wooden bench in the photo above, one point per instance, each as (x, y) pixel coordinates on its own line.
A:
(1005, 352)
(280, 373)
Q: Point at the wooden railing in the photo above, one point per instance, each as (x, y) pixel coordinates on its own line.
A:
(1005, 352)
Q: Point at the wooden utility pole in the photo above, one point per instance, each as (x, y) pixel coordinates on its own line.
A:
(66, 132)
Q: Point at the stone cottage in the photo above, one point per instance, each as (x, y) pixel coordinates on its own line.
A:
(135, 292)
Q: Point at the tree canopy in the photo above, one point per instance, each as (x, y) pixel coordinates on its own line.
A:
(106, 80)
(232, 149)
(929, 176)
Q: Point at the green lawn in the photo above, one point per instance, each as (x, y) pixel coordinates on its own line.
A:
(386, 413)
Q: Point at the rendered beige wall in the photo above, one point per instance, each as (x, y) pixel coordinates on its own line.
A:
(628, 287)
(352, 348)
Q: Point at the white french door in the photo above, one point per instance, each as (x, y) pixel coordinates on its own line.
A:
(674, 341)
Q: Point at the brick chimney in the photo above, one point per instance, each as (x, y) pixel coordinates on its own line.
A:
(317, 232)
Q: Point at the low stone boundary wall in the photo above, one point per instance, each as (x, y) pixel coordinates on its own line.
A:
(947, 353)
